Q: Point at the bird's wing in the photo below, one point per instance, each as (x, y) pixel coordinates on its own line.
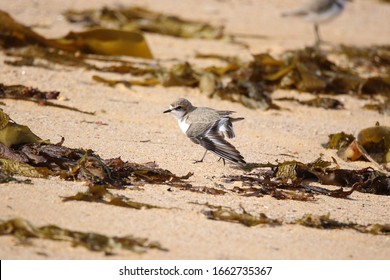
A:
(225, 127)
(201, 120)
(196, 129)
(317, 6)
(214, 142)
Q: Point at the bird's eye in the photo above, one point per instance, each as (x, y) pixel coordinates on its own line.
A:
(178, 107)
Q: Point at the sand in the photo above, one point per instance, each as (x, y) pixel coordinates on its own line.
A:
(138, 131)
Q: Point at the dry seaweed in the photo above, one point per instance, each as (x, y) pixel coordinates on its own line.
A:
(374, 59)
(12, 133)
(225, 214)
(96, 41)
(339, 140)
(206, 190)
(325, 222)
(24, 230)
(382, 107)
(33, 49)
(141, 19)
(278, 191)
(363, 180)
(374, 56)
(24, 153)
(318, 102)
(304, 70)
(85, 165)
(108, 42)
(37, 56)
(251, 94)
(23, 92)
(312, 71)
(250, 83)
(24, 169)
(290, 180)
(245, 218)
(308, 70)
(181, 74)
(129, 172)
(6, 177)
(100, 194)
(14, 34)
(376, 141)
(372, 143)
(20, 92)
(258, 186)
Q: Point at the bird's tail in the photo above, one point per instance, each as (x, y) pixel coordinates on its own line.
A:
(226, 127)
(236, 119)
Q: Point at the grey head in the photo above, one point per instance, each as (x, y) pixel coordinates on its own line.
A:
(180, 108)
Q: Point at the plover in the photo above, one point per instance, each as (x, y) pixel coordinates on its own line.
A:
(319, 11)
(208, 128)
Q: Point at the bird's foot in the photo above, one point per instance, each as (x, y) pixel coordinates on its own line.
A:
(197, 161)
(223, 160)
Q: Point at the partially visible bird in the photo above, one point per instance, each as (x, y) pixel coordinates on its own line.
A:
(318, 12)
(208, 128)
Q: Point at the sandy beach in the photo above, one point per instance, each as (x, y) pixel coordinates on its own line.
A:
(138, 131)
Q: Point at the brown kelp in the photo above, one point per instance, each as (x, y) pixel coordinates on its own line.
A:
(25, 231)
(248, 82)
(372, 144)
(22, 152)
(225, 214)
(143, 20)
(291, 180)
(98, 41)
(251, 83)
(21, 92)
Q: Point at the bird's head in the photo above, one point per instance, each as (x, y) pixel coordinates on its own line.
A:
(180, 108)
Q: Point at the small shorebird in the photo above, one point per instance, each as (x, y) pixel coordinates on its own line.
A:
(208, 128)
(319, 11)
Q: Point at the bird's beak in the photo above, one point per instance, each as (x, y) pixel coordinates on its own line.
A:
(167, 111)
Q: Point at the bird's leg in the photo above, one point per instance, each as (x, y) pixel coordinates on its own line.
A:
(319, 42)
(196, 161)
(317, 33)
(223, 160)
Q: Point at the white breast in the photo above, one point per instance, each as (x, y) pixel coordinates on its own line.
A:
(184, 126)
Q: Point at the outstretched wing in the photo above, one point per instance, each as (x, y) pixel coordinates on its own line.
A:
(213, 141)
